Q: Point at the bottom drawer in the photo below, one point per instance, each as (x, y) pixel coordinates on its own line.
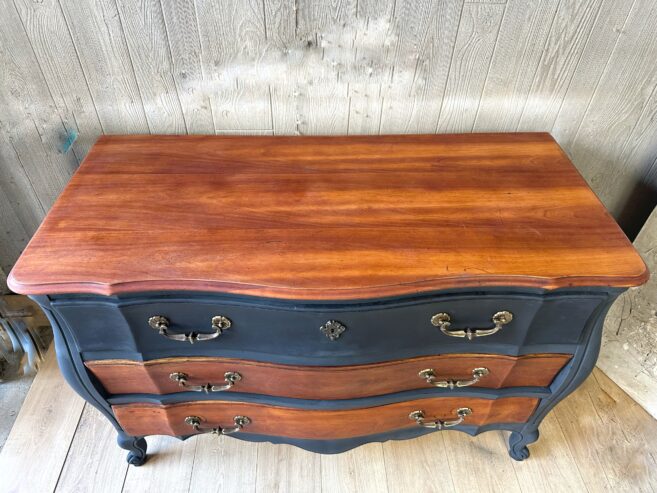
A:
(141, 419)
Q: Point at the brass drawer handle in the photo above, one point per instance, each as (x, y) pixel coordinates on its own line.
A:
(440, 424)
(161, 324)
(231, 377)
(240, 422)
(430, 376)
(443, 321)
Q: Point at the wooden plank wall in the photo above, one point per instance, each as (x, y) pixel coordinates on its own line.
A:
(71, 70)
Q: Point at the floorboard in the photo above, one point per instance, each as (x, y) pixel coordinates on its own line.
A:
(39, 441)
(172, 463)
(552, 468)
(418, 465)
(223, 464)
(282, 468)
(94, 461)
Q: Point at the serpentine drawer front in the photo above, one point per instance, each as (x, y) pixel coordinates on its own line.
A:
(305, 334)
(326, 292)
(210, 375)
(315, 424)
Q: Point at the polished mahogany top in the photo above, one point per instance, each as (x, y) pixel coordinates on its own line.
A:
(325, 218)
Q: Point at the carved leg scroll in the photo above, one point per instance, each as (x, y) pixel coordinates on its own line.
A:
(136, 447)
(518, 442)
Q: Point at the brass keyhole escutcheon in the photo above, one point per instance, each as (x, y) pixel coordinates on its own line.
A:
(332, 329)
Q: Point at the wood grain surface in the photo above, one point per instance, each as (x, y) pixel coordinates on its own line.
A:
(76, 69)
(325, 218)
(151, 419)
(322, 382)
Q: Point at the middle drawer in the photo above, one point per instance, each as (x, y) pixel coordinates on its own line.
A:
(169, 375)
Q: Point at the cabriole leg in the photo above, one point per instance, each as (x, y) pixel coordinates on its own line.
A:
(136, 447)
(518, 442)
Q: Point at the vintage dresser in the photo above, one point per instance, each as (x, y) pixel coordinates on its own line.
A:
(326, 292)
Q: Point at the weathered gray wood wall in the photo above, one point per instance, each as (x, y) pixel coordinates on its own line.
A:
(73, 69)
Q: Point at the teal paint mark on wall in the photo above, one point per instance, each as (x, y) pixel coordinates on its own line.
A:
(71, 137)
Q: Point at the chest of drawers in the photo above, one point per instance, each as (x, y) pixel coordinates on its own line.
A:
(326, 291)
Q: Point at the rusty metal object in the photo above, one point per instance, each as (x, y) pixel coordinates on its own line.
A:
(24, 336)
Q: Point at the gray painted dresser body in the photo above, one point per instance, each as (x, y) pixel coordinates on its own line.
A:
(567, 321)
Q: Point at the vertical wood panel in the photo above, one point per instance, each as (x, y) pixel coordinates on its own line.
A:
(376, 9)
(232, 44)
(373, 52)
(20, 208)
(594, 58)
(185, 44)
(426, 33)
(622, 110)
(473, 50)
(570, 31)
(97, 32)
(33, 169)
(308, 109)
(17, 188)
(281, 18)
(315, 16)
(29, 118)
(365, 107)
(523, 34)
(148, 46)
(314, 96)
(13, 236)
(54, 50)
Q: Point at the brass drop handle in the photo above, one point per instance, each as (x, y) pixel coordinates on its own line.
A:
(461, 413)
(240, 422)
(443, 322)
(230, 377)
(430, 376)
(161, 324)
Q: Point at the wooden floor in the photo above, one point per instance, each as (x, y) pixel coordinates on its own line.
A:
(598, 439)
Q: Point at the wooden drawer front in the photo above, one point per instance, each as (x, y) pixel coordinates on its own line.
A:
(291, 334)
(330, 382)
(152, 419)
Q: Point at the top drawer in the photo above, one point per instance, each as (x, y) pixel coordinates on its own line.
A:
(357, 332)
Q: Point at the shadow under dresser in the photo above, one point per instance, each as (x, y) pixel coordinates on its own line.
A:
(326, 292)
